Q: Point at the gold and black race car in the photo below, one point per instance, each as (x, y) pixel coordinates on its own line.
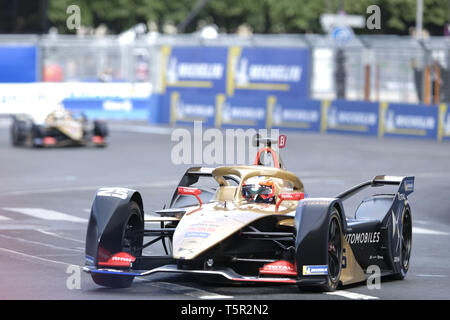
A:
(255, 225)
(60, 128)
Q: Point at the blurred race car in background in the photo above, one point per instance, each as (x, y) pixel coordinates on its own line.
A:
(252, 224)
(60, 128)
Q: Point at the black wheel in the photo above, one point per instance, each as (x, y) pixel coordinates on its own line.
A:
(18, 133)
(334, 255)
(131, 243)
(405, 245)
(100, 129)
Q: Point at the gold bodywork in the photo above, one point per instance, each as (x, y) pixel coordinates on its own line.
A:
(204, 226)
(64, 122)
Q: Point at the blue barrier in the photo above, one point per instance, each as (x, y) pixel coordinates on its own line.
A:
(115, 109)
(288, 113)
(241, 111)
(341, 116)
(18, 64)
(293, 114)
(180, 108)
(444, 122)
(406, 120)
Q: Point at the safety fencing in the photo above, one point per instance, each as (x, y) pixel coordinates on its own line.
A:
(368, 67)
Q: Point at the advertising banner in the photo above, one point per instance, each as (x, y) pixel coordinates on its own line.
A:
(341, 116)
(178, 107)
(111, 109)
(444, 122)
(241, 111)
(280, 71)
(406, 120)
(193, 68)
(289, 113)
(106, 100)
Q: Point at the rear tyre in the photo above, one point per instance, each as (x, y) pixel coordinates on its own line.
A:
(405, 246)
(101, 129)
(334, 256)
(131, 243)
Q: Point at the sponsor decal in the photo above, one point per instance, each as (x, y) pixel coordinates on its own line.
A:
(315, 270)
(409, 185)
(121, 193)
(281, 267)
(363, 237)
(89, 260)
(195, 234)
(110, 105)
(121, 259)
(192, 70)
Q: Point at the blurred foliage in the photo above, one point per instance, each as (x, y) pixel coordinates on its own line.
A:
(261, 16)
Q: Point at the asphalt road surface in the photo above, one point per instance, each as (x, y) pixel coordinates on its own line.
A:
(46, 195)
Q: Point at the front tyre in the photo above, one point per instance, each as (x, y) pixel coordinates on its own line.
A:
(132, 241)
(334, 255)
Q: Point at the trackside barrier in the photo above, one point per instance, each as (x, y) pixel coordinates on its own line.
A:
(120, 100)
(116, 109)
(288, 113)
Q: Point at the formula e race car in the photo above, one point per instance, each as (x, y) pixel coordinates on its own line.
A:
(253, 225)
(60, 128)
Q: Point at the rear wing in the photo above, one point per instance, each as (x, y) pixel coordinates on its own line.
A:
(406, 185)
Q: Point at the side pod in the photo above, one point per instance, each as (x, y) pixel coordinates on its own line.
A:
(107, 220)
(311, 227)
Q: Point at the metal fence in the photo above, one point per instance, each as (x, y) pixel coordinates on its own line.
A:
(377, 68)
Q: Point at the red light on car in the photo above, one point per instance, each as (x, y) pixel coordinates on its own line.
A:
(49, 141)
(282, 141)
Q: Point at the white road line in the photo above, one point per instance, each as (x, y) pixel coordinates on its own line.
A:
(351, 295)
(5, 218)
(47, 214)
(432, 275)
(33, 257)
(48, 245)
(157, 184)
(419, 230)
(58, 236)
(142, 129)
(189, 291)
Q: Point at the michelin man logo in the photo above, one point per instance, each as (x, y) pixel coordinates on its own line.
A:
(241, 76)
(447, 125)
(332, 117)
(277, 114)
(172, 75)
(390, 121)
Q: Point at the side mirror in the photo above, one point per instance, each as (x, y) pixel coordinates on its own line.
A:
(295, 196)
(186, 191)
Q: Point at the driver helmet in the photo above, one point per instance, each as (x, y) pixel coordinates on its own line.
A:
(262, 190)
